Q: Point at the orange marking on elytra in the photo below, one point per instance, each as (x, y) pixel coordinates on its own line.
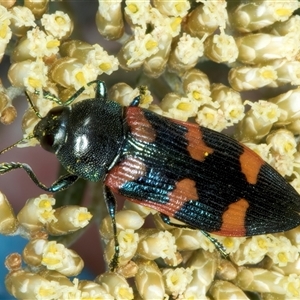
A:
(139, 126)
(127, 170)
(233, 219)
(185, 190)
(250, 164)
(196, 147)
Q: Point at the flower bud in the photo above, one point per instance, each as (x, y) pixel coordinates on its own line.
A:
(149, 281)
(231, 244)
(176, 280)
(93, 55)
(258, 121)
(69, 218)
(36, 44)
(142, 210)
(21, 21)
(137, 12)
(286, 71)
(8, 220)
(282, 142)
(272, 296)
(125, 219)
(38, 8)
(294, 235)
(70, 72)
(109, 20)
(226, 290)
(134, 52)
(230, 102)
(177, 107)
(13, 262)
(259, 48)
(251, 78)
(115, 285)
(52, 275)
(251, 251)
(282, 251)
(252, 16)
(221, 48)
(160, 244)
(92, 290)
(29, 120)
(29, 74)
(211, 117)
(125, 94)
(206, 18)
(189, 239)
(26, 285)
(194, 76)
(58, 24)
(172, 8)
(289, 268)
(32, 253)
(128, 243)
(291, 25)
(155, 65)
(289, 106)
(128, 270)
(71, 263)
(204, 266)
(185, 54)
(36, 213)
(264, 281)
(7, 3)
(6, 32)
(226, 270)
(8, 115)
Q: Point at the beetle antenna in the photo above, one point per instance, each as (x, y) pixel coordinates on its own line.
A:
(33, 107)
(16, 143)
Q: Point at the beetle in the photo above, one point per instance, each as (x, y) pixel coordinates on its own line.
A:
(201, 177)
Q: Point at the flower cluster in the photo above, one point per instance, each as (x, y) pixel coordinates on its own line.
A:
(222, 64)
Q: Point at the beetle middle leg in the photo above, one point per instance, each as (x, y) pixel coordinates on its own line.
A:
(111, 208)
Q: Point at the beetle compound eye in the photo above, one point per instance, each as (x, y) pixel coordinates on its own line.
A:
(47, 142)
(51, 129)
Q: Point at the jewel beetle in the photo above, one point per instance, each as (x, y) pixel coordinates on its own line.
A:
(201, 177)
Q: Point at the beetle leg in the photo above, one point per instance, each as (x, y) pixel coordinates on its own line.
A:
(136, 101)
(216, 243)
(62, 183)
(100, 90)
(220, 247)
(47, 95)
(111, 208)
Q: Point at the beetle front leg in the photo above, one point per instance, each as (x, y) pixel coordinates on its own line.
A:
(111, 208)
(137, 100)
(100, 91)
(62, 183)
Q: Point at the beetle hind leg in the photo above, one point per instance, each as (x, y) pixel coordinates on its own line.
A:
(220, 247)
